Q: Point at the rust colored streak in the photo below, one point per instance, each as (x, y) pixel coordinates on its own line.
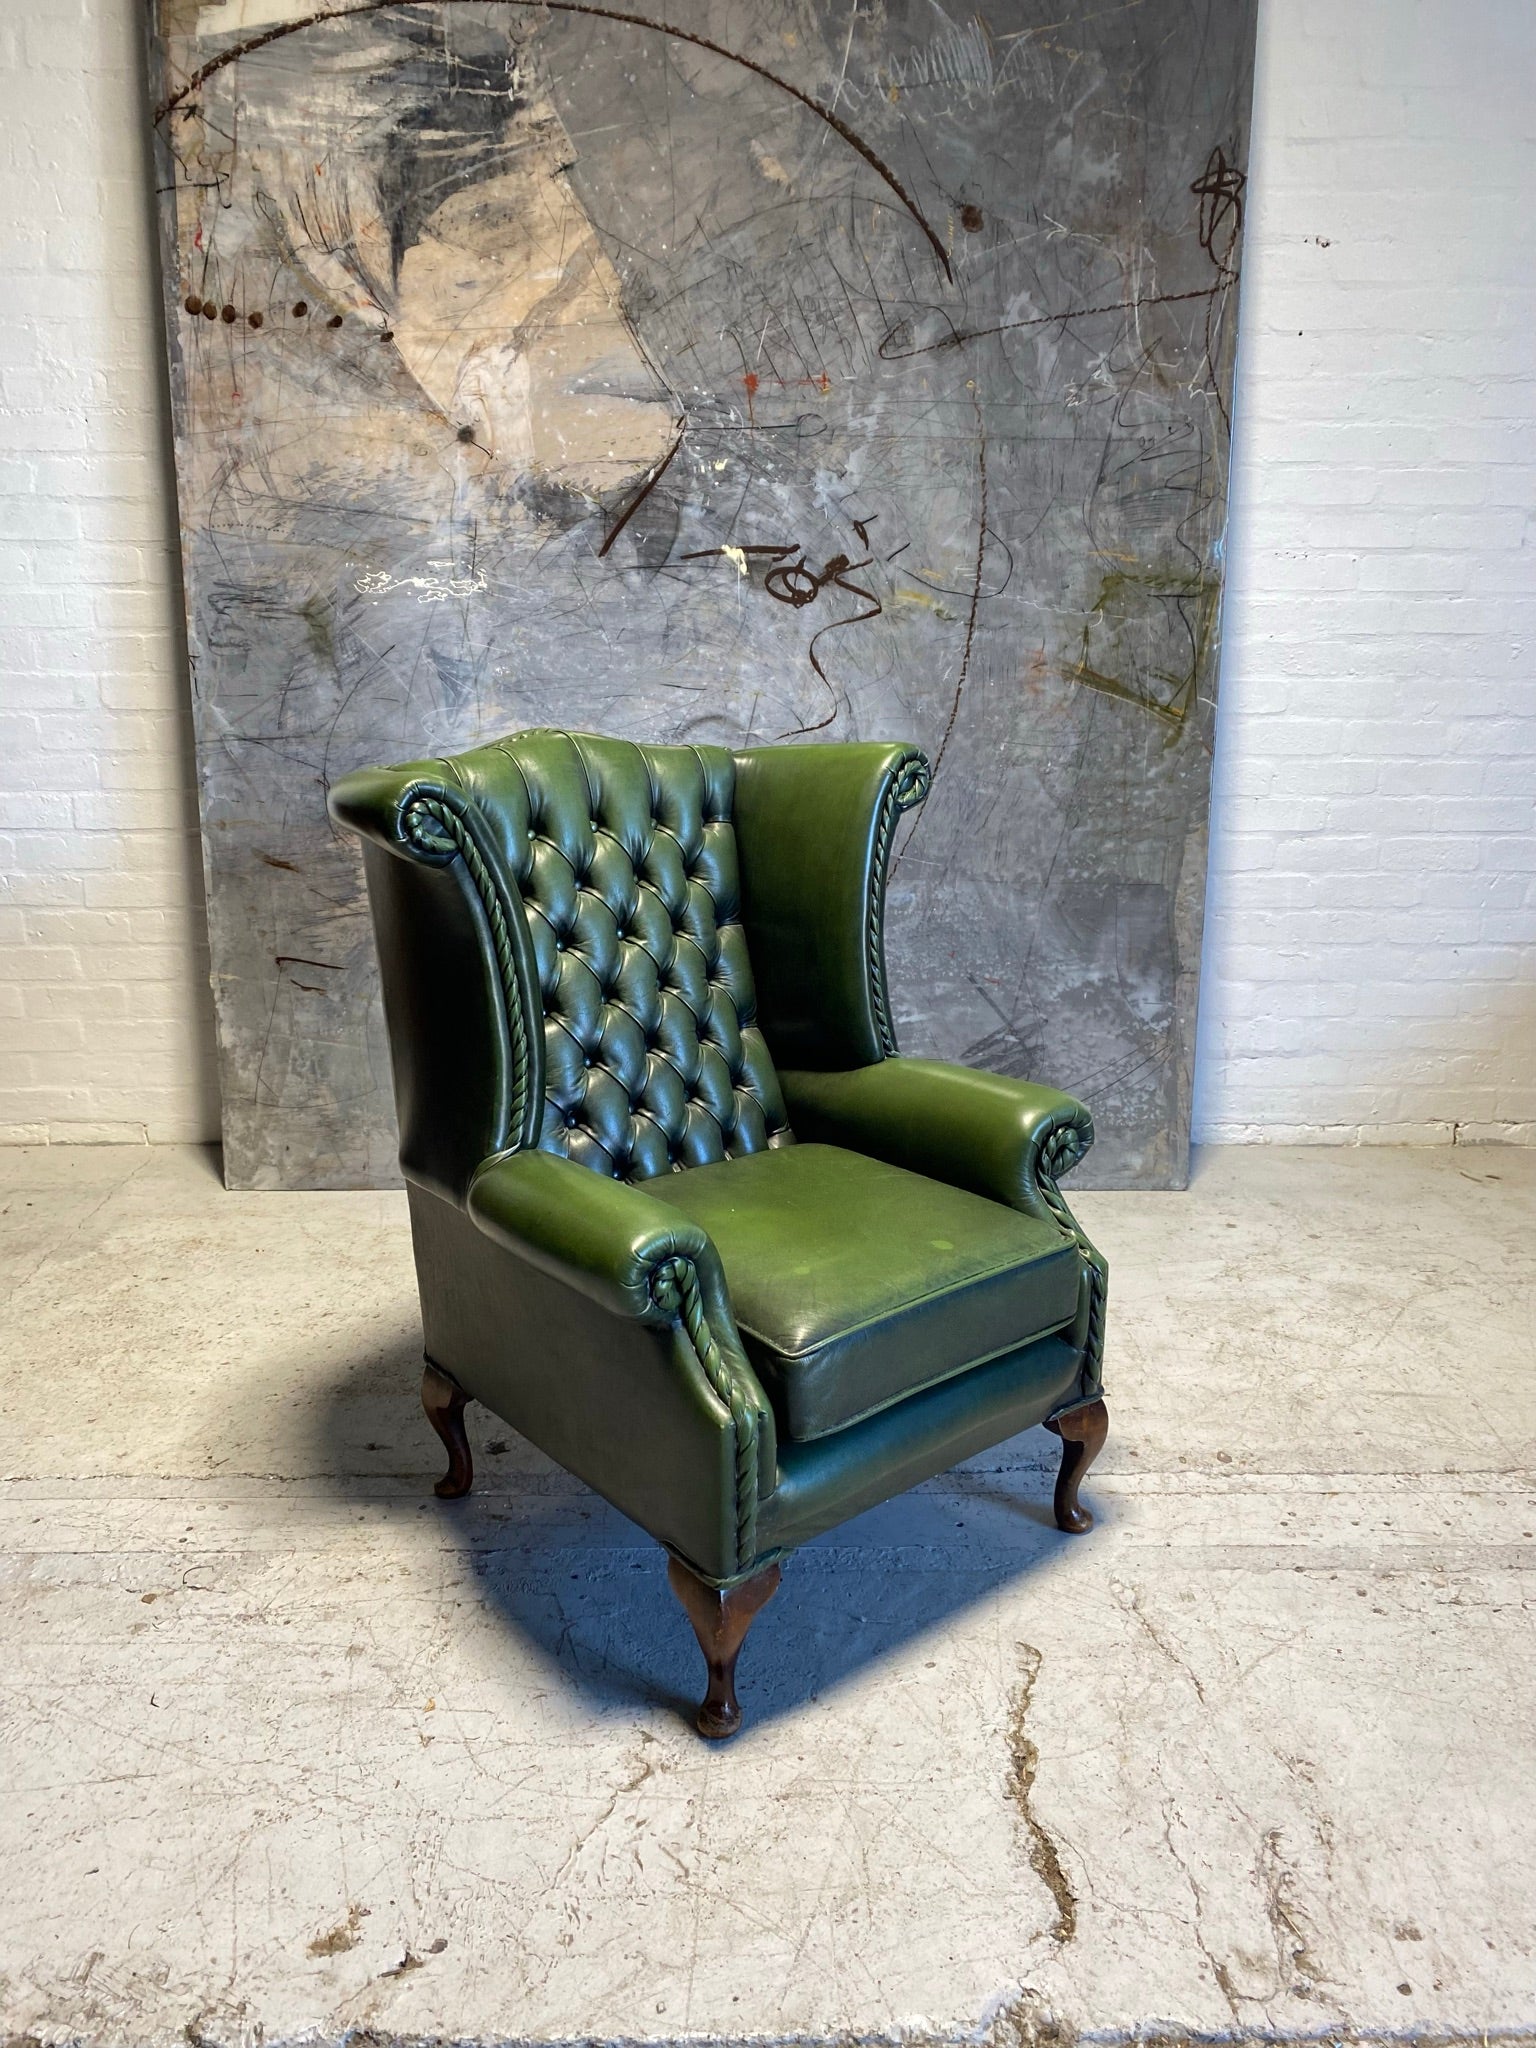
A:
(833, 120)
(645, 490)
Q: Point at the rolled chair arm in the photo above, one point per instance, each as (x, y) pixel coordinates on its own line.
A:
(641, 1261)
(399, 808)
(1008, 1140)
(998, 1137)
(609, 1240)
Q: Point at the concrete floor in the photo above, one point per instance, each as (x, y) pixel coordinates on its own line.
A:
(289, 1748)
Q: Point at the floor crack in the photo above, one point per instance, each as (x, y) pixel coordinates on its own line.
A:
(1218, 1968)
(1023, 1764)
(1128, 1598)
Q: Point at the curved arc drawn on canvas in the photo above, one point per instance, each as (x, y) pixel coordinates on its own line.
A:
(789, 371)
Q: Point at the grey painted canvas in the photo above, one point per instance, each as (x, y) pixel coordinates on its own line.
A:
(792, 369)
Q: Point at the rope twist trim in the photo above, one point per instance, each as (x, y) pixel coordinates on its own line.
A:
(675, 1290)
(906, 789)
(1062, 1148)
(434, 827)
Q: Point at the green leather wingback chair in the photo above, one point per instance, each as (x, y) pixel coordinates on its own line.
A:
(681, 1214)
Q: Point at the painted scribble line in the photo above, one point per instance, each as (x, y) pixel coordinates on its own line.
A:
(837, 626)
(957, 337)
(833, 120)
(976, 591)
(310, 988)
(1219, 188)
(972, 611)
(651, 480)
(792, 581)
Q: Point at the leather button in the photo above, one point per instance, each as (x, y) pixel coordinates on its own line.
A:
(570, 1119)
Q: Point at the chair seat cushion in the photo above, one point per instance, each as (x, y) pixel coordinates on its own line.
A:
(856, 1283)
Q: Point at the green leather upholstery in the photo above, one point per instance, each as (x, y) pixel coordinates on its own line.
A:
(823, 1483)
(815, 826)
(622, 1401)
(984, 1132)
(855, 1283)
(609, 873)
(620, 982)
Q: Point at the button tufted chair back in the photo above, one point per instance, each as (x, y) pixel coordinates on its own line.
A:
(628, 878)
(605, 875)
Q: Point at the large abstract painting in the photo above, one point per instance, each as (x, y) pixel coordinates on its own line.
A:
(793, 370)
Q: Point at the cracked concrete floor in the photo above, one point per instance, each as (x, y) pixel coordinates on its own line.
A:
(291, 1748)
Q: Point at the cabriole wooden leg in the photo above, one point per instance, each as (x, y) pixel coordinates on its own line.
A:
(445, 1404)
(720, 1620)
(1082, 1432)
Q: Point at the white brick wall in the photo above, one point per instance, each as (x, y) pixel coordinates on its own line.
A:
(1371, 949)
(1370, 960)
(105, 1022)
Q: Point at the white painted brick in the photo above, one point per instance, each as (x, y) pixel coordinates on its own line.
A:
(34, 891)
(155, 888)
(115, 1033)
(109, 810)
(1397, 367)
(49, 964)
(97, 1002)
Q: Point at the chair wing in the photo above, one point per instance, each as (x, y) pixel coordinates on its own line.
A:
(459, 974)
(814, 827)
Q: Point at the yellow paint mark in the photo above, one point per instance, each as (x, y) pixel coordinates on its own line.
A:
(904, 594)
(769, 165)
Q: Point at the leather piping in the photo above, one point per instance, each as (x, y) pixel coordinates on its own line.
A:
(674, 1288)
(1059, 1153)
(453, 835)
(907, 788)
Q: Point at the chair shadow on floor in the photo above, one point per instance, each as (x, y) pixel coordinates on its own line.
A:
(583, 1592)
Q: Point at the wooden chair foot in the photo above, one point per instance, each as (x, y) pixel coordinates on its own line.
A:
(720, 1620)
(1082, 1432)
(445, 1403)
